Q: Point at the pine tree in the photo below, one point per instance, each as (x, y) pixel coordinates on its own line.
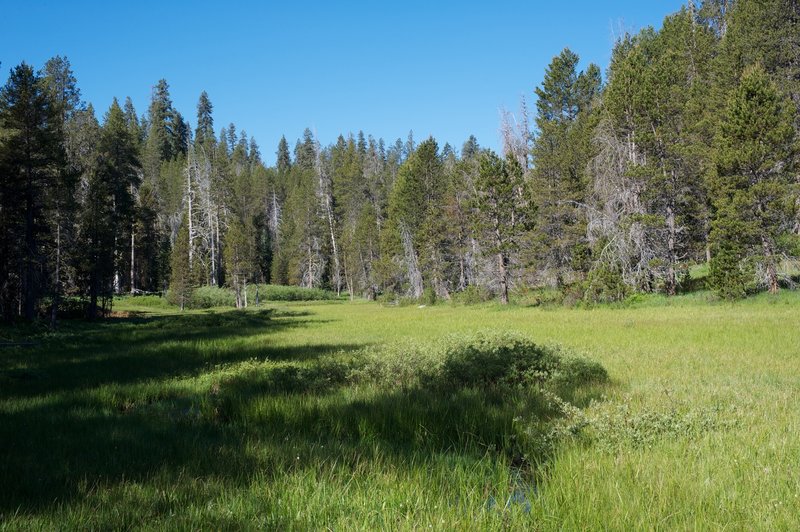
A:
(560, 158)
(415, 209)
(205, 121)
(32, 159)
(502, 212)
(107, 213)
(753, 187)
(284, 159)
(60, 81)
(180, 279)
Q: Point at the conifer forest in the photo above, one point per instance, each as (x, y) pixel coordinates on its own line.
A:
(683, 153)
(589, 322)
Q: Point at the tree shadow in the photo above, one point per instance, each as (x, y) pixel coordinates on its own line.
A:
(75, 416)
(87, 355)
(84, 424)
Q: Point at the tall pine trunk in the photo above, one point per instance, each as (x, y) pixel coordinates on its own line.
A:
(502, 263)
(769, 262)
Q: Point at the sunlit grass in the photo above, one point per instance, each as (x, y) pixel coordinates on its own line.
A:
(224, 419)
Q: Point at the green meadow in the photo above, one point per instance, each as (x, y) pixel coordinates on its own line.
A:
(342, 416)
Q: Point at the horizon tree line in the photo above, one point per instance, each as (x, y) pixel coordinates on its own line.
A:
(686, 153)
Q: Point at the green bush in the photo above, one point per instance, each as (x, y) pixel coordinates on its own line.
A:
(272, 292)
(572, 371)
(403, 365)
(428, 297)
(212, 296)
(387, 299)
(539, 297)
(604, 284)
(407, 301)
(495, 359)
(483, 360)
(473, 295)
(150, 301)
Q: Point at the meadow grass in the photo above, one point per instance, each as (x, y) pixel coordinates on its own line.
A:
(253, 419)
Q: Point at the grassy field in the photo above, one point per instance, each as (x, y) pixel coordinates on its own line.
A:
(225, 419)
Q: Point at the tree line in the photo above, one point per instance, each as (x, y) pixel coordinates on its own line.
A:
(686, 153)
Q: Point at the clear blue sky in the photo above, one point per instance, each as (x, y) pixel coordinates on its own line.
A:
(437, 68)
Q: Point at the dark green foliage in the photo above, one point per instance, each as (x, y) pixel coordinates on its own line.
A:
(211, 297)
(503, 212)
(472, 295)
(560, 152)
(753, 186)
(414, 205)
(180, 284)
(289, 293)
(205, 297)
(656, 129)
(496, 360)
(205, 121)
(107, 213)
(488, 361)
(604, 284)
(619, 188)
(32, 162)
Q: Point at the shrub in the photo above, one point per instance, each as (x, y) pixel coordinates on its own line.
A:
(483, 360)
(428, 297)
(473, 295)
(272, 292)
(573, 371)
(407, 301)
(402, 365)
(387, 299)
(212, 296)
(604, 284)
(149, 300)
(491, 359)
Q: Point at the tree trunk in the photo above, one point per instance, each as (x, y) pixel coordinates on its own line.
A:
(769, 260)
(412, 263)
(671, 282)
(57, 280)
(133, 259)
(93, 293)
(29, 284)
(503, 274)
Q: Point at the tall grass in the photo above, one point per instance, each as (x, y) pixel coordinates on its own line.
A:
(316, 415)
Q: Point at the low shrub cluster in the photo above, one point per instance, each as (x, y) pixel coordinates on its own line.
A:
(212, 296)
(272, 292)
(527, 389)
(472, 295)
(481, 360)
(205, 297)
(621, 425)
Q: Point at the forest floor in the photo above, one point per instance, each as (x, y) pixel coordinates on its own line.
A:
(247, 419)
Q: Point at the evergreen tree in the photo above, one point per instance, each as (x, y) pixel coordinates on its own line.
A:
(560, 157)
(414, 207)
(132, 121)
(205, 121)
(284, 159)
(107, 213)
(754, 190)
(502, 212)
(180, 279)
(32, 160)
(60, 81)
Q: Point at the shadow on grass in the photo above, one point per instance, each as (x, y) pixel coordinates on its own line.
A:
(99, 403)
(64, 435)
(127, 350)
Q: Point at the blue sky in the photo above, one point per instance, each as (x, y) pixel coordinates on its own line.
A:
(437, 68)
